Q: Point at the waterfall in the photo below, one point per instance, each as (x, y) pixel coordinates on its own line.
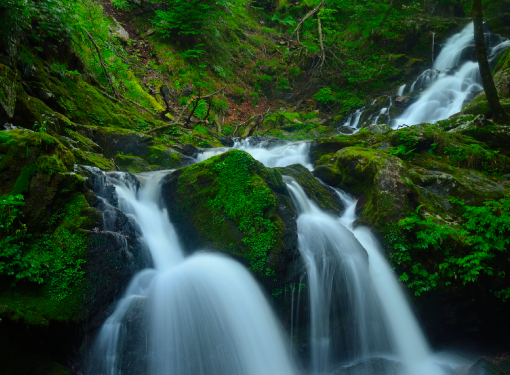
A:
(432, 49)
(400, 90)
(453, 80)
(280, 156)
(337, 282)
(353, 119)
(204, 314)
(380, 321)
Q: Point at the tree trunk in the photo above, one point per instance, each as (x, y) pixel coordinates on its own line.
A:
(498, 113)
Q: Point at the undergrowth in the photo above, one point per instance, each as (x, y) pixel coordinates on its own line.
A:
(429, 253)
(52, 259)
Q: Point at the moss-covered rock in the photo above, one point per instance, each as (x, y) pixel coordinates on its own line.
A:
(233, 204)
(7, 92)
(325, 198)
(132, 164)
(380, 180)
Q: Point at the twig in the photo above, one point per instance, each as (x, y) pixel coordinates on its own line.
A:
(183, 111)
(321, 41)
(110, 82)
(308, 15)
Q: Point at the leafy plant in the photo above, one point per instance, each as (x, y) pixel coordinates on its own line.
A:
(186, 16)
(325, 96)
(460, 253)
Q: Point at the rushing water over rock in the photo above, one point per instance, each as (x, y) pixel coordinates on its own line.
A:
(379, 321)
(338, 285)
(199, 315)
(453, 80)
(279, 156)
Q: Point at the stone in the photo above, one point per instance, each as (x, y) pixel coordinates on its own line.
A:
(485, 367)
(379, 129)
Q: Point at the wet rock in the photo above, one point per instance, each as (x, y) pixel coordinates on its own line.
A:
(190, 150)
(346, 130)
(379, 129)
(325, 197)
(485, 367)
(189, 192)
(227, 141)
(114, 141)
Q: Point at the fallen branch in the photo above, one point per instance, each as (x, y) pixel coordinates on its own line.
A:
(110, 82)
(176, 122)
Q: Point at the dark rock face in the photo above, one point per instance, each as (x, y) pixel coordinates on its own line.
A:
(129, 143)
(484, 367)
(115, 250)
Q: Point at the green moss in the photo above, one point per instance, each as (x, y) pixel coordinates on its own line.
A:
(132, 164)
(92, 159)
(164, 157)
(231, 206)
(23, 182)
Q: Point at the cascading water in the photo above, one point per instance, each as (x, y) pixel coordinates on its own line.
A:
(279, 156)
(203, 314)
(379, 320)
(448, 86)
(400, 90)
(337, 282)
(206, 315)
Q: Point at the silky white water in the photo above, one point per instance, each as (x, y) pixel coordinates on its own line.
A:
(338, 287)
(447, 90)
(279, 156)
(204, 314)
(380, 322)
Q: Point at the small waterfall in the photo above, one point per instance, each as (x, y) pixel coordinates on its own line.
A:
(279, 156)
(204, 314)
(381, 112)
(353, 119)
(401, 89)
(453, 80)
(380, 321)
(339, 288)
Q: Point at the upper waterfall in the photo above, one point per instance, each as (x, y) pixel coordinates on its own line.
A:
(452, 82)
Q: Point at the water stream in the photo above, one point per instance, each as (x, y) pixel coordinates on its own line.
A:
(206, 315)
(453, 80)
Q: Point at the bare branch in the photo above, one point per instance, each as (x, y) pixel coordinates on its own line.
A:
(308, 15)
(190, 101)
(110, 82)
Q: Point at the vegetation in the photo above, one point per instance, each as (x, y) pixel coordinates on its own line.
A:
(137, 86)
(456, 254)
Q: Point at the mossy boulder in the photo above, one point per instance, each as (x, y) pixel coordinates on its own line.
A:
(233, 204)
(381, 182)
(323, 148)
(323, 195)
(132, 164)
(78, 270)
